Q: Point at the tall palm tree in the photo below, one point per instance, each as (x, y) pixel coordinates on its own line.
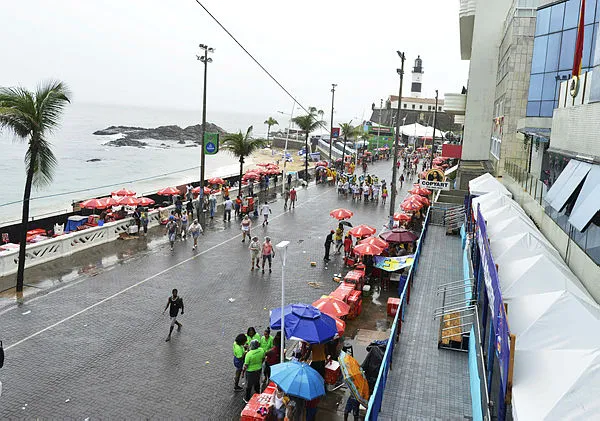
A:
(308, 123)
(270, 122)
(348, 131)
(241, 146)
(32, 116)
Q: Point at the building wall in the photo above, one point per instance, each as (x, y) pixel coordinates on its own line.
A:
(577, 130)
(487, 33)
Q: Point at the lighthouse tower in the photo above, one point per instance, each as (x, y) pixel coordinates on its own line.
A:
(417, 78)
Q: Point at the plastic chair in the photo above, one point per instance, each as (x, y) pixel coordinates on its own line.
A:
(59, 229)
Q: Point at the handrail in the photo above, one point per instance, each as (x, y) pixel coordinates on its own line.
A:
(376, 397)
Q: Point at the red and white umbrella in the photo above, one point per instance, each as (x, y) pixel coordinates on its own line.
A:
(340, 214)
(123, 192)
(332, 306)
(411, 204)
(145, 201)
(196, 190)
(98, 203)
(168, 191)
(216, 180)
(128, 201)
(421, 199)
(321, 164)
(340, 325)
(367, 249)
(420, 191)
(402, 217)
(362, 230)
(375, 241)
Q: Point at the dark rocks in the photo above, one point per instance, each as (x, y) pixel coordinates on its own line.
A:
(126, 142)
(94, 160)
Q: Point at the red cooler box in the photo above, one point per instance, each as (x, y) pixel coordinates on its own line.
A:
(343, 291)
(355, 302)
(392, 306)
(332, 372)
(252, 410)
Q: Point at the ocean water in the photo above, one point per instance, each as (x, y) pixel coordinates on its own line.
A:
(74, 144)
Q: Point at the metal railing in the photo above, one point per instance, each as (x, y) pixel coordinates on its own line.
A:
(530, 184)
(377, 396)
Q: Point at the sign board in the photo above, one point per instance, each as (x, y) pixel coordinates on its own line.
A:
(392, 264)
(211, 143)
(335, 132)
(435, 185)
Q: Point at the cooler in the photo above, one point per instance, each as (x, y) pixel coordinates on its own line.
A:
(343, 291)
(356, 277)
(392, 306)
(252, 411)
(332, 372)
(355, 302)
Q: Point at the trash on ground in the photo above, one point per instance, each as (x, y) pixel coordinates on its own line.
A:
(314, 284)
(26, 312)
(231, 300)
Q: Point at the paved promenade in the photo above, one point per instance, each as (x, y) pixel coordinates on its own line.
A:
(92, 346)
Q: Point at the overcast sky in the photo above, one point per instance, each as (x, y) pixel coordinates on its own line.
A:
(143, 52)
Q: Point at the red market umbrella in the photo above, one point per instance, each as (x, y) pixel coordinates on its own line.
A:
(251, 175)
(196, 190)
(362, 230)
(216, 180)
(422, 199)
(273, 171)
(168, 191)
(375, 241)
(423, 174)
(340, 214)
(402, 217)
(398, 235)
(262, 164)
(145, 201)
(123, 192)
(411, 204)
(340, 325)
(128, 201)
(367, 249)
(437, 161)
(332, 306)
(97, 203)
(420, 191)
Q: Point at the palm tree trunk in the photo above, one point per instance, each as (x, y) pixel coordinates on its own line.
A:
(241, 174)
(268, 133)
(24, 225)
(306, 157)
(344, 155)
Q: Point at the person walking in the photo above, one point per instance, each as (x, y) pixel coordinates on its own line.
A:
(384, 194)
(267, 253)
(293, 198)
(286, 197)
(144, 220)
(227, 206)
(171, 230)
(339, 238)
(253, 362)
(265, 210)
(175, 303)
(239, 352)
(272, 357)
(246, 224)
(195, 230)
(255, 249)
(184, 225)
(347, 246)
(212, 205)
(237, 206)
(401, 180)
(189, 207)
(328, 241)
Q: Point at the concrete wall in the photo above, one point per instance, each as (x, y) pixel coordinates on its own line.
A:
(577, 129)
(487, 33)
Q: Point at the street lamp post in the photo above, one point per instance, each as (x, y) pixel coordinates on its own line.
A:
(396, 140)
(379, 131)
(204, 59)
(333, 85)
(434, 122)
(282, 247)
(287, 136)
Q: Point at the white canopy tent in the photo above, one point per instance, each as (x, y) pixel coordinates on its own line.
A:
(520, 246)
(487, 183)
(418, 130)
(511, 226)
(556, 385)
(493, 200)
(499, 214)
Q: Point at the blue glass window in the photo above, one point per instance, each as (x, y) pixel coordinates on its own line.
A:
(567, 49)
(538, 61)
(533, 109)
(556, 17)
(549, 88)
(572, 14)
(590, 8)
(547, 108)
(593, 49)
(587, 45)
(535, 87)
(553, 52)
(543, 21)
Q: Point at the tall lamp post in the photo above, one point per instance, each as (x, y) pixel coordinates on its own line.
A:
(333, 85)
(282, 247)
(379, 131)
(396, 140)
(204, 59)
(434, 122)
(287, 136)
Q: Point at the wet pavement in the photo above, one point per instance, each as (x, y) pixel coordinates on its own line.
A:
(88, 342)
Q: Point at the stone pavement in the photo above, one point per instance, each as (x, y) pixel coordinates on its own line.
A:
(92, 346)
(427, 383)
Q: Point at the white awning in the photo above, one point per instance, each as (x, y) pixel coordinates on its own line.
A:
(588, 201)
(566, 183)
(487, 183)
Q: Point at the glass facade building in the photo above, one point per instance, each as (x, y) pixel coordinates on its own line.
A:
(553, 50)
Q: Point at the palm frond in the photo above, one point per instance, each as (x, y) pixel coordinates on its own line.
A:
(44, 162)
(51, 98)
(240, 145)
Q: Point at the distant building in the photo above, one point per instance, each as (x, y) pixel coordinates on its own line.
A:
(417, 78)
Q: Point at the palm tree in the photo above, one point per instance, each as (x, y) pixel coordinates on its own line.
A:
(32, 116)
(241, 146)
(270, 122)
(348, 131)
(308, 123)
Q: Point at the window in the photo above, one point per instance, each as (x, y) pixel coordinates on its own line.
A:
(547, 108)
(543, 21)
(538, 60)
(553, 52)
(572, 14)
(549, 88)
(567, 49)
(429, 108)
(535, 87)
(439, 108)
(405, 105)
(533, 108)
(556, 17)
(587, 46)
(420, 107)
(413, 106)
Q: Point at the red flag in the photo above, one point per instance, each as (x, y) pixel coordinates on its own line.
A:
(579, 44)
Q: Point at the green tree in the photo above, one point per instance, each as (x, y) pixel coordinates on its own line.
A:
(308, 123)
(32, 116)
(348, 131)
(241, 146)
(270, 122)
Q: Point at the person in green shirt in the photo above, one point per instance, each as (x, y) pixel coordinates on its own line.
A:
(239, 352)
(253, 362)
(266, 341)
(251, 335)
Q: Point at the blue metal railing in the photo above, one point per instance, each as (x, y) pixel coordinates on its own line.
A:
(377, 395)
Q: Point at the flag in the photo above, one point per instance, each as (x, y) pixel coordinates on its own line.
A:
(579, 43)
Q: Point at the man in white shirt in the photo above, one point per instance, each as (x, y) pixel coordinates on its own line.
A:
(228, 205)
(265, 210)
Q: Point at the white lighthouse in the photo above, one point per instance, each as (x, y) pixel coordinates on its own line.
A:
(417, 78)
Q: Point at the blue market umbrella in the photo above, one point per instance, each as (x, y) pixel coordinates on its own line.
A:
(304, 322)
(298, 379)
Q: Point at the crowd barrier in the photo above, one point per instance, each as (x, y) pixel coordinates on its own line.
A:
(404, 292)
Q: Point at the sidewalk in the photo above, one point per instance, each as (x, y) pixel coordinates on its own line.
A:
(93, 344)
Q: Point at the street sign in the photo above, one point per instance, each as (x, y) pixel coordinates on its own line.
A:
(434, 179)
(335, 132)
(211, 143)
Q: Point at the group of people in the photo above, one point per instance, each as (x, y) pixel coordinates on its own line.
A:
(365, 187)
(177, 225)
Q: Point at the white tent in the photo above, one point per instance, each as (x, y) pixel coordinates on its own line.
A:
(511, 226)
(520, 246)
(556, 385)
(554, 320)
(418, 130)
(486, 183)
(493, 200)
(501, 213)
(537, 275)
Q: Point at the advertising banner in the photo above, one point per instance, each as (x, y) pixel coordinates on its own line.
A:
(392, 264)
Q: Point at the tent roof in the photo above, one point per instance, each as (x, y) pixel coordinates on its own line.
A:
(511, 226)
(493, 200)
(418, 130)
(501, 213)
(486, 183)
(522, 245)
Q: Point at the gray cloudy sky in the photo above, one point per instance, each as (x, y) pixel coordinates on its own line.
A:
(143, 52)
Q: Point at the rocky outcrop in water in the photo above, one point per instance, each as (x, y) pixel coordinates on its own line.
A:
(133, 135)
